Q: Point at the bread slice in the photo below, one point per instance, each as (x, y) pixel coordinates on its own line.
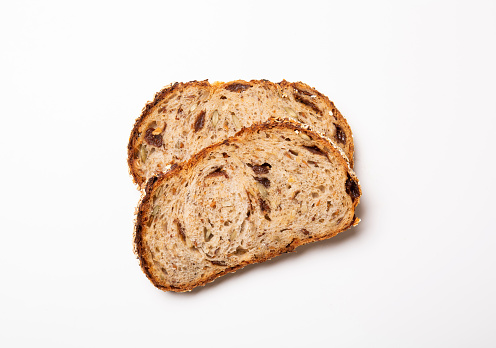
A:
(186, 117)
(263, 192)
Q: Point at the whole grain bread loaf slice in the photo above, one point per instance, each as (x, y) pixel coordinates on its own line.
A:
(265, 191)
(186, 117)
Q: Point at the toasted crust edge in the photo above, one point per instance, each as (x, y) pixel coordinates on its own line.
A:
(169, 89)
(143, 208)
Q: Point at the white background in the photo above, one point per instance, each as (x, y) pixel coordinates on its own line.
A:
(417, 83)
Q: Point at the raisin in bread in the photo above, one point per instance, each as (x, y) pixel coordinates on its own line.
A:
(265, 191)
(186, 117)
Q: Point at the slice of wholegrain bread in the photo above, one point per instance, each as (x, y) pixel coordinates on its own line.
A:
(265, 191)
(186, 117)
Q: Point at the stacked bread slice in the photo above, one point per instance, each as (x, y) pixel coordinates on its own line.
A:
(237, 173)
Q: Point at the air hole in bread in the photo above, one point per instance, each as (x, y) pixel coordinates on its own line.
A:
(207, 234)
(180, 230)
(315, 150)
(217, 172)
(315, 194)
(240, 251)
(329, 205)
(218, 263)
(294, 153)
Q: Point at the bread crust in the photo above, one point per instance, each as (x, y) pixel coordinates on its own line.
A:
(144, 207)
(169, 90)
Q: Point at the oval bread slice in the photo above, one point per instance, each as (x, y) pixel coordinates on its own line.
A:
(184, 118)
(263, 192)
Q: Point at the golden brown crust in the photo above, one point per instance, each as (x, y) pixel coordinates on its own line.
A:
(235, 86)
(144, 207)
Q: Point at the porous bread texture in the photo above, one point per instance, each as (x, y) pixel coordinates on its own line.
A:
(267, 190)
(184, 118)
